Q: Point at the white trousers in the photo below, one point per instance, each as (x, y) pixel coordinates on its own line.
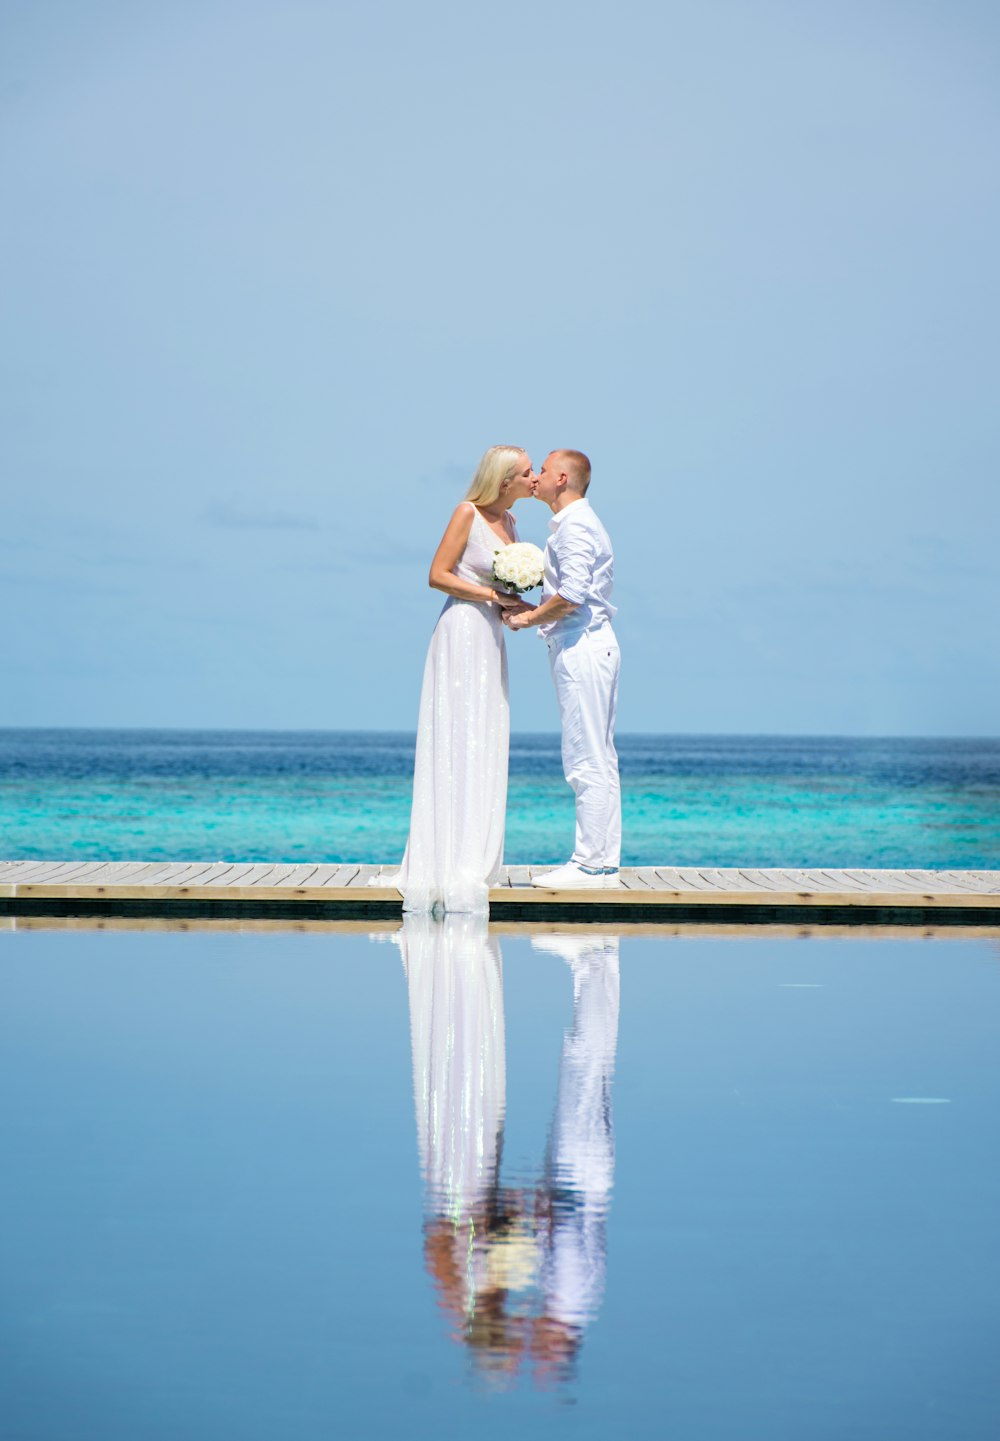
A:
(585, 670)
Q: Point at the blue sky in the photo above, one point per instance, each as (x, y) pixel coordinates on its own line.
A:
(276, 274)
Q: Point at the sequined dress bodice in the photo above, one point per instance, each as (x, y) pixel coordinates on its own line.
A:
(476, 563)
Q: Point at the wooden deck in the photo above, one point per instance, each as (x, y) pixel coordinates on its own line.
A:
(649, 894)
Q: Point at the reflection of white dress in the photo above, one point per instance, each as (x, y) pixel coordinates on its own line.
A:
(455, 847)
(455, 980)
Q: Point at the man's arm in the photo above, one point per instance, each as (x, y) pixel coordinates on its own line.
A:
(552, 609)
(574, 565)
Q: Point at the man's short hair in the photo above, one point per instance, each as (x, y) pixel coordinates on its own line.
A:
(578, 468)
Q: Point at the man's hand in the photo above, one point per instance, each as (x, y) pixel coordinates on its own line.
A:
(518, 620)
(552, 609)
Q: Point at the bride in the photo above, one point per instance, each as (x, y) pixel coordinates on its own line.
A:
(455, 847)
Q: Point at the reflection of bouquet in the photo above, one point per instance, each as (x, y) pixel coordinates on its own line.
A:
(519, 567)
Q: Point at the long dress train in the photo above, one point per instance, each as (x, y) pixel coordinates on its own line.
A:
(455, 848)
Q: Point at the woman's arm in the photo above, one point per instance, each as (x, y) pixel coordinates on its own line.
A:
(447, 556)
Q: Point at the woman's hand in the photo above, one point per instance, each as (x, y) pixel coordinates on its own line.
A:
(509, 602)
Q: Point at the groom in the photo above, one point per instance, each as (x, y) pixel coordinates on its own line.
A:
(575, 617)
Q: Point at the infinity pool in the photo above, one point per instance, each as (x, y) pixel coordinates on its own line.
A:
(453, 1183)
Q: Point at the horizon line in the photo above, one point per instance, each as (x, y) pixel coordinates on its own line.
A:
(375, 731)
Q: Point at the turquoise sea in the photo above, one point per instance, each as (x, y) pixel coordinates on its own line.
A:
(345, 796)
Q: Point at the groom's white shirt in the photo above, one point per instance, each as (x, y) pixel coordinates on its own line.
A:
(580, 566)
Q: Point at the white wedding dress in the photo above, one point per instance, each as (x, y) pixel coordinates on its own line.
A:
(455, 847)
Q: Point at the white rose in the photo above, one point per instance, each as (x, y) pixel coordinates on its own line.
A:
(519, 567)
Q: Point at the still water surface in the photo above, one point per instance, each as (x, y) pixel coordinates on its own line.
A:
(452, 1183)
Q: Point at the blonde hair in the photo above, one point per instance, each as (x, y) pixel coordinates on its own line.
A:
(498, 464)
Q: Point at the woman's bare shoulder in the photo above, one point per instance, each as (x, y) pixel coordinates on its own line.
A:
(459, 527)
(462, 515)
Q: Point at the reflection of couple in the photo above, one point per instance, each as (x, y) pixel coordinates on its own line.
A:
(520, 1271)
(455, 847)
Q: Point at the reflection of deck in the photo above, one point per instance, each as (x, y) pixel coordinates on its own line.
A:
(651, 894)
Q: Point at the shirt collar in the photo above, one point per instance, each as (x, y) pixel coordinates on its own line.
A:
(561, 515)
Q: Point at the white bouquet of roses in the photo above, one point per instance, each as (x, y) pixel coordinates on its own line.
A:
(519, 567)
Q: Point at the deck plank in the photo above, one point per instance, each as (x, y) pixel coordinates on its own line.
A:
(731, 878)
(258, 873)
(60, 871)
(953, 880)
(131, 873)
(300, 876)
(120, 873)
(36, 868)
(803, 882)
(762, 878)
(274, 876)
(918, 882)
(844, 881)
(752, 880)
(364, 875)
(176, 876)
(207, 876)
(682, 878)
(26, 869)
(881, 880)
(235, 875)
(709, 878)
(10, 870)
(989, 879)
(631, 880)
(323, 874)
(167, 871)
(102, 873)
(164, 879)
(342, 877)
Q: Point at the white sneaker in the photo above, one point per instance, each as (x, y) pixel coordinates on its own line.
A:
(573, 877)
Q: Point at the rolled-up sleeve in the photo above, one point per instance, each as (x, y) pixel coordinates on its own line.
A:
(575, 554)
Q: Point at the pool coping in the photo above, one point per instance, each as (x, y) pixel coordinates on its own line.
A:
(647, 895)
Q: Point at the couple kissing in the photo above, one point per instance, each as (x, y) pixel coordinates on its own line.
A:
(454, 852)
